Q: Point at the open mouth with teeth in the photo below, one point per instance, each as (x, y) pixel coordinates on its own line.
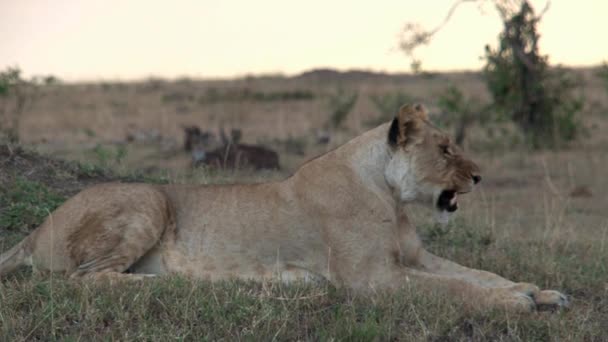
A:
(447, 201)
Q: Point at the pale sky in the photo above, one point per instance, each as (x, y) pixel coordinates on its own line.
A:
(122, 39)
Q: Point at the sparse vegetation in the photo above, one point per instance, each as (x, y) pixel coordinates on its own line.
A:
(183, 309)
(602, 73)
(542, 101)
(214, 95)
(38, 307)
(17, 93)
(108, 156)
(293, 145)
(522, 224)
(460, 112)
(388, 105)
(24, 204)
(178, 96)
(341, 104)
(50, 80)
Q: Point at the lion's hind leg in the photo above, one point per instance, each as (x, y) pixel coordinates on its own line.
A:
(111, 243)
(117, 249)
(107, 268)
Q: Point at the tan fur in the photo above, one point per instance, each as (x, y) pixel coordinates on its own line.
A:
(340, 218)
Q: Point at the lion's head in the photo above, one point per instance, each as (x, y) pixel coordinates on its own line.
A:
(426, 166)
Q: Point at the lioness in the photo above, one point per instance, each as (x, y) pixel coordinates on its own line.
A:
(340, 218)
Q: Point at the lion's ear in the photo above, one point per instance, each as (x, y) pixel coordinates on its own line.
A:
(406, 128)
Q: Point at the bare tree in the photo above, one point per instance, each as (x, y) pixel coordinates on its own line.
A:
(414, 35)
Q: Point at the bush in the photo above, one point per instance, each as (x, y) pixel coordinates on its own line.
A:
(107, 156)
(460, 112)
(14, 87)
(9, 79)
(540, 101)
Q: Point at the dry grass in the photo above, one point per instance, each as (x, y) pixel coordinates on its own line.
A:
(182, 309)
(523, 223)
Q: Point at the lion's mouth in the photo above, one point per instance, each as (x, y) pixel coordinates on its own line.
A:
(447, 201)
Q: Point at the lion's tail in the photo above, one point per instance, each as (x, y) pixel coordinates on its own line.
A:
(15, 257)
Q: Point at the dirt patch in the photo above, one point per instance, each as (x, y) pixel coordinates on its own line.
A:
(63, 177)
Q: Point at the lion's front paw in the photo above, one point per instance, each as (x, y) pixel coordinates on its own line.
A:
(544, 300)
(551, 300)
(528, 297)
(518, 297)
(517, 301)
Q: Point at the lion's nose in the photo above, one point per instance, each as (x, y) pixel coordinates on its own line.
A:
(476, 179)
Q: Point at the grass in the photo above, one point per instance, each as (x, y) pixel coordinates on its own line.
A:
(575, 267)
(557, 244)
(178, 308)
(24, 204)
(36, 307)
(521, 224)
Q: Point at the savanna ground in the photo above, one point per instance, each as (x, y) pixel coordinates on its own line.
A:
(538, 217)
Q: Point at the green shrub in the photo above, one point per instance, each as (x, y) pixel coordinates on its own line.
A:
(525, 90)
(107, 156)
(9, 78)
(22, 92)
(460, 112)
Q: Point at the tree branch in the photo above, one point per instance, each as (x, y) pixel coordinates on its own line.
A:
(413, 35)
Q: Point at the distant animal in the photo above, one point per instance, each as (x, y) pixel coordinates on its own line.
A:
(231, 154)
(339, 218)
(323, 137)
(195, 137)
(235, 136)
(235, 156)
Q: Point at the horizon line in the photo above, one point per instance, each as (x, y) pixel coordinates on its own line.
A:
(265, 74)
